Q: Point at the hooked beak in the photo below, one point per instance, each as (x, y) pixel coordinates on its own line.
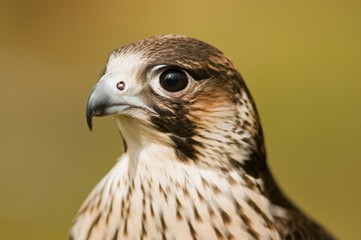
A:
(105, 99)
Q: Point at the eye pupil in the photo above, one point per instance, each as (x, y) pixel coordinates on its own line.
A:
(173, 80)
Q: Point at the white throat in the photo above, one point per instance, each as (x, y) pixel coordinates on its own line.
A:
(149, 191)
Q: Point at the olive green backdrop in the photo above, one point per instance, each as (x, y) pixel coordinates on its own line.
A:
(300, 59)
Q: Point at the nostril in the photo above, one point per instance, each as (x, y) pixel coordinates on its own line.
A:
(121, 85)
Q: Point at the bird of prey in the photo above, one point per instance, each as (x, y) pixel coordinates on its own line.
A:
(194, 165)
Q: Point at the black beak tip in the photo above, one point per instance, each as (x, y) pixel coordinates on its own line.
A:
(89, 119)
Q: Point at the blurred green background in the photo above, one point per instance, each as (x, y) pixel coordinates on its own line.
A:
(300, 59)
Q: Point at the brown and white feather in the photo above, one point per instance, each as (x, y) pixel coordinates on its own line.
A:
(195, 165)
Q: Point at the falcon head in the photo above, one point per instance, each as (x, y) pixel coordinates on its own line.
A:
(183, 93)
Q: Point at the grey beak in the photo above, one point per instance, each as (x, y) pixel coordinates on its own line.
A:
(97, 102)
(104, 100)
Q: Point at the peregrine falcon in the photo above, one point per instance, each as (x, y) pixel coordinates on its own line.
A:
(194, 165)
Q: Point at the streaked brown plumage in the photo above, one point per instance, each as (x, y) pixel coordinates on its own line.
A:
(195, 164)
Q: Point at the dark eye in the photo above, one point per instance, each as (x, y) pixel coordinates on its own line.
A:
(174, 80)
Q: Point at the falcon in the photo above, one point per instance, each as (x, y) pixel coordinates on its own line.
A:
(194, 165)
